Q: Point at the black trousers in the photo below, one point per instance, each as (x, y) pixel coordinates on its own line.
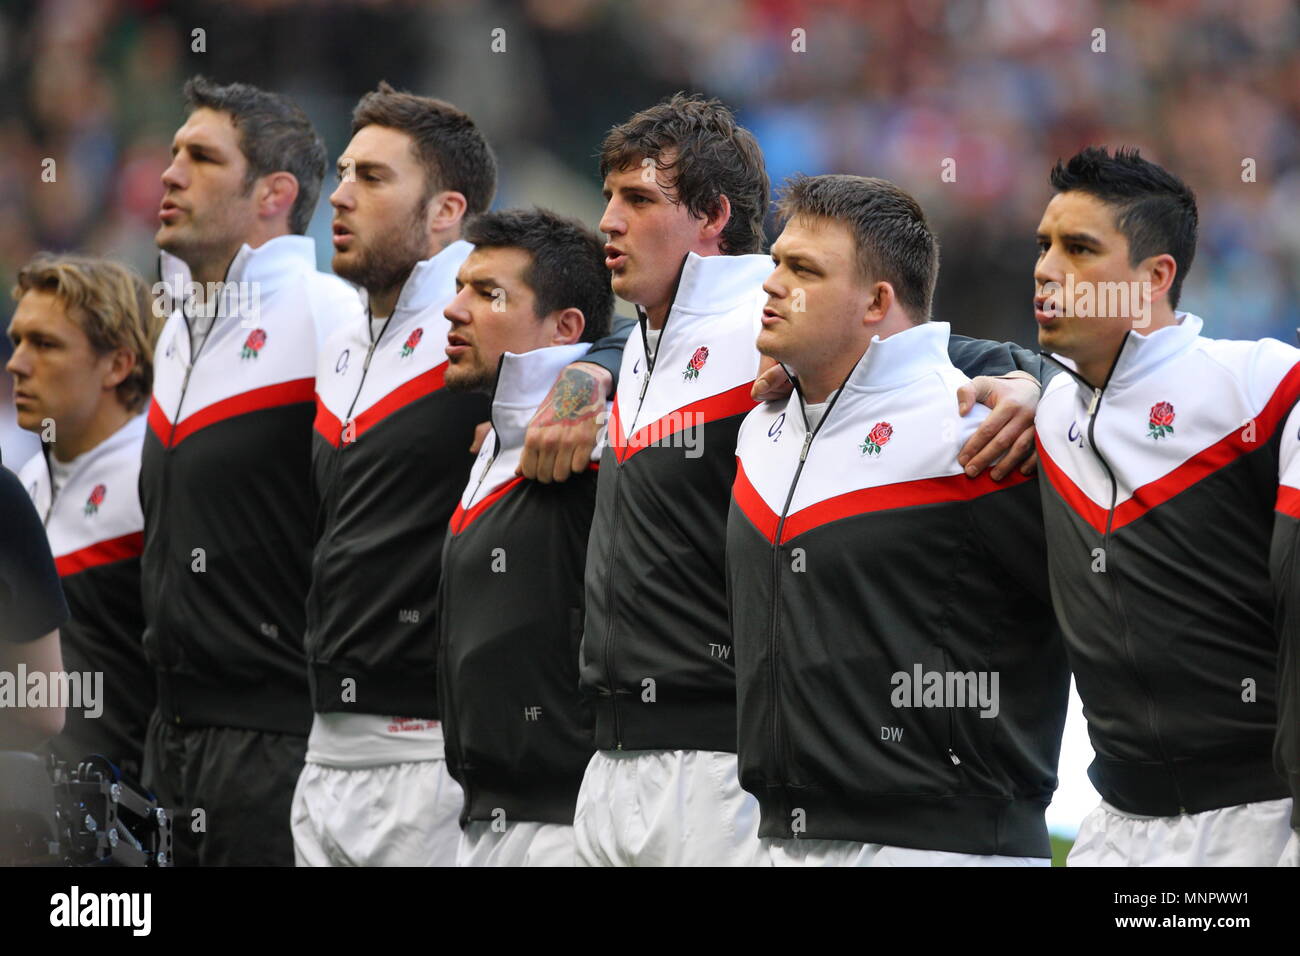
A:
(229, 790)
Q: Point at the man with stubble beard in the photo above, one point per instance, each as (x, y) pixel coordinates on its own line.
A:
(225, 471)
(391, 456)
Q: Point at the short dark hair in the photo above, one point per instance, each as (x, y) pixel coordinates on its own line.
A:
(275, 135)
(712, 156)
(454, 153)
(894, 242)
(568, 267)
(1154, 209)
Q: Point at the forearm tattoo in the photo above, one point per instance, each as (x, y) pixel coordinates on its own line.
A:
(574, 397)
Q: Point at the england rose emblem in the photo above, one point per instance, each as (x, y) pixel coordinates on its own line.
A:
(695, 364)
(253, 344)
(1162, 420)
(96, 499)
(412, 341)
(879, 437)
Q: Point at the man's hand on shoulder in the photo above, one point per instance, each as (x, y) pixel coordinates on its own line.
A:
(1005, 439)
(562, 434)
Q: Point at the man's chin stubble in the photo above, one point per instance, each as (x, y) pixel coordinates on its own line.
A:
(477, 381)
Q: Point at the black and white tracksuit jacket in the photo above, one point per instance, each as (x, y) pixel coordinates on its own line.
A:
(656, 649)
(900, 678)
(518, 733)
(96, 532)
(1161, 501)
(225, 485)
(390, 459)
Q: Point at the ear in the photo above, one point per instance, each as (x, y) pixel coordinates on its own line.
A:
(881, 301)
(121, 363)
(569, 324)
(1160, 271)
(446, 211)
(711, 228)
(277, 194)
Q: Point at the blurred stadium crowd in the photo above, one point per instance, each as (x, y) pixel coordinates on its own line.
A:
(890, 89)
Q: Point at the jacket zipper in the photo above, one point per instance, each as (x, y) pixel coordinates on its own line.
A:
(451, 738)
(365, 366)
(778, 740)
(952, 717)
(170, 449)
(1094, 407)
(53, 494)
(618, 513)
(496, 436)
(451, 730)
(337, 461)
(644, 322)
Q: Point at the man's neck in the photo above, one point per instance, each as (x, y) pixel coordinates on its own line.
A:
(384, 301)
(1096, 371)
(214, 267)
(211, 271)
(109, 418)
(817, 386)
(657, 315)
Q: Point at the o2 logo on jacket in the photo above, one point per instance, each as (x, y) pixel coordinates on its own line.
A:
(411, 342)
(95, 500)
(774, 432)
(253, 344)
(341, 365)
(695, 364)
(877, 439)
(1075, 434)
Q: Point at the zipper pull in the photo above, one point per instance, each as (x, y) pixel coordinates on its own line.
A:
(1096, 398)
(645, 385)
(956, 761)
(803, 452)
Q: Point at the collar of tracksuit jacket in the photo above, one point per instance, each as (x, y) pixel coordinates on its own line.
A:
(271, 264)
(893, 362)
(656, 647)
(76, 541)
(95, 530)
(224, 489)
(893, 365)
(518, 735)
(713, 299)
(390, 457)
(862, 543)
(523, 381)
(1157, 503)
(1138, 354)
(425, 289)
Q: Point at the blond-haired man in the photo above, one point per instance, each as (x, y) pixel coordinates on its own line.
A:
(82, 364)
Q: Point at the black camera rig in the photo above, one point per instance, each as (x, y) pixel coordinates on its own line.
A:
(90, 815)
